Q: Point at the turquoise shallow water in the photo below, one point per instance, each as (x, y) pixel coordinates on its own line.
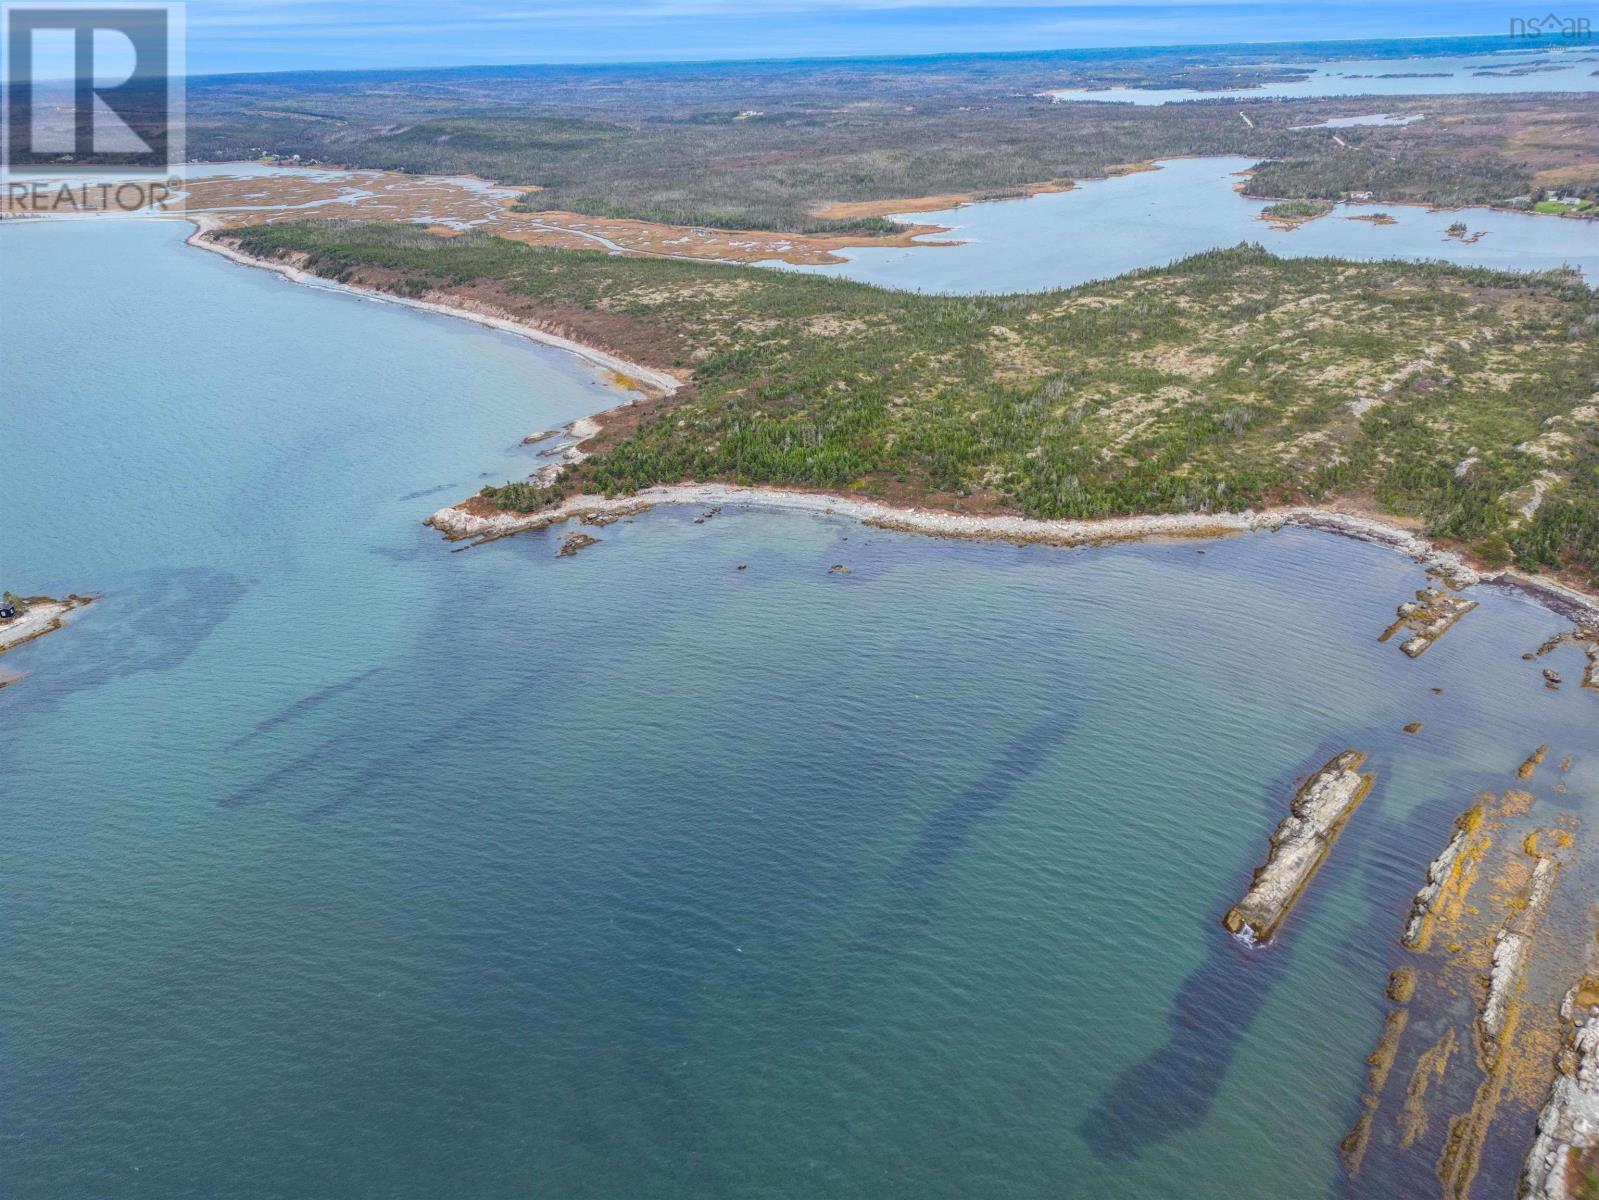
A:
(336, 863)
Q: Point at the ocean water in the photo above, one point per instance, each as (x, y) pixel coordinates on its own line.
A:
(337, 863)
(1547, 69)
(1104, 228)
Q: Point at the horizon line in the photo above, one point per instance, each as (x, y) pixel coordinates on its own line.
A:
(1531, 43)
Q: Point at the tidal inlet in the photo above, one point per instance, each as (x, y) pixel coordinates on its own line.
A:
(848, 601)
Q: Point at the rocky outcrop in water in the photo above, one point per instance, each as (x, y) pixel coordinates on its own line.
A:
(1447, 873)
(460, 522)
(575, 542)
(1566, 1149)
(1428, 617)
(1586, 638)
(1512, 947)
(1299, 845)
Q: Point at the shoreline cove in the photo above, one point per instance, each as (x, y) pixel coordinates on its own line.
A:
(458, 523)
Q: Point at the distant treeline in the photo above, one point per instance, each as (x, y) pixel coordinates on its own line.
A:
(764, 145)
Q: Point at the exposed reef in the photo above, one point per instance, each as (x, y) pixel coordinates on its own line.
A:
(1300, 844)
(1449, 877)
(1429, 616)
(1379, 1064)
(1512, 947)
(1565, 1153)
(575, 542)
(1586, 638)
(1484, 956)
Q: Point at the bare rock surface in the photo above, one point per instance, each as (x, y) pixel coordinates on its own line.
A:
(1299, 845)
(1567, 1142)
(1512, 947)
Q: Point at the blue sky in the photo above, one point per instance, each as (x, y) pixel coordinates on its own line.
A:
(275, 35)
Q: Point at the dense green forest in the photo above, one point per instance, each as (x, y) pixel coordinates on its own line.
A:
(1389, 176)
(764, 145)
(1231, 379)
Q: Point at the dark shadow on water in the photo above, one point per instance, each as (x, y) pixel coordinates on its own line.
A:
(356, 762)
(949, 829)
(911, 899)
(432, 491)
(317, 767)
(151, 622)
(306, 704)
(1172, 1089)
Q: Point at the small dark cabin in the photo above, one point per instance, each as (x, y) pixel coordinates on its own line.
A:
(7, 610)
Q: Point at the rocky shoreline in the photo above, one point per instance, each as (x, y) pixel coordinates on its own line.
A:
(1567, 1141)
(37, 617)
(467, 521)
(462, 522)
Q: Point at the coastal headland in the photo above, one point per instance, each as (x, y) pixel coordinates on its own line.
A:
(1021, 421)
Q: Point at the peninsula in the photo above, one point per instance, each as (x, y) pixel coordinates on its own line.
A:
(1455, 401)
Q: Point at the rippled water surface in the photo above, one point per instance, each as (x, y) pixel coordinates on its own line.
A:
(336, 863)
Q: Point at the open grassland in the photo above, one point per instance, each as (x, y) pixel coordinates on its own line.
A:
(1464, 398)
(766, 146)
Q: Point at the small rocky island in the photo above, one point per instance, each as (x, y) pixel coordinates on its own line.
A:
(1429, 616)
(1300, 844)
